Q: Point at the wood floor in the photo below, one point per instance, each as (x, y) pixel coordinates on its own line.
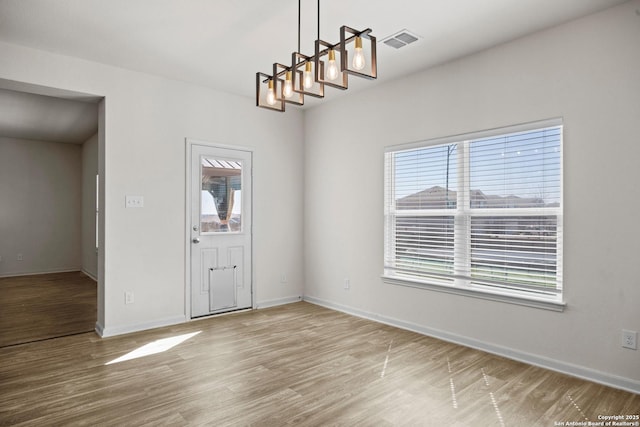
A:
(44, 306)
(298, 364)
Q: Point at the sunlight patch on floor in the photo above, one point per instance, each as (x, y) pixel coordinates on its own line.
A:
(157, 346)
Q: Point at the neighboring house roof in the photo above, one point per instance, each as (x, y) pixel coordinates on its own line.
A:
(437, 197)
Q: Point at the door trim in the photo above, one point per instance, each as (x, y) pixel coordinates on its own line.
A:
(189, 143)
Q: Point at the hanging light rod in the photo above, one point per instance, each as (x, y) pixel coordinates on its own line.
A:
(330, 65)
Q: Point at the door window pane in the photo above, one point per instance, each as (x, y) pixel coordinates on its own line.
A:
(221, 196)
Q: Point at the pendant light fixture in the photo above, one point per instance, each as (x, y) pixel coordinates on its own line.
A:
(331, 64)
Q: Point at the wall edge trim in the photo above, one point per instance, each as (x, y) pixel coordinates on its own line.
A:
(277, 302)
(105, 332)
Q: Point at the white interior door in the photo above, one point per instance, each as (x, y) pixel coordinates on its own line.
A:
(221, 278)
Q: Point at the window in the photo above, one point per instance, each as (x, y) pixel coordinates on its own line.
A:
(221, 195)
(479, 214)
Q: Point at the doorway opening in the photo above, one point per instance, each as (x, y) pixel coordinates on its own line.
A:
(51, 268)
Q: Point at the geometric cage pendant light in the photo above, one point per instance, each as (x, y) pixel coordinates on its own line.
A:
(330, 66)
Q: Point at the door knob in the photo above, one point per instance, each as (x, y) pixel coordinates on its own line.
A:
(196, 240)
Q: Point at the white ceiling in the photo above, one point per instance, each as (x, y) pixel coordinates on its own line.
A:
(223, 43)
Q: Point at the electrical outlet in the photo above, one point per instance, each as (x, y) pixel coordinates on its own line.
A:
(283, 278)
(630, 339)
(20, 257)
(128, 297)
(347, 283)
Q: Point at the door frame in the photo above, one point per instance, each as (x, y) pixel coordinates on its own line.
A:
(189, 143)
(101, 100)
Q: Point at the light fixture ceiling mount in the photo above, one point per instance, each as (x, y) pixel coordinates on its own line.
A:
(331, 64)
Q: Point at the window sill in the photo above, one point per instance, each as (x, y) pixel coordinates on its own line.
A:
(526, 300)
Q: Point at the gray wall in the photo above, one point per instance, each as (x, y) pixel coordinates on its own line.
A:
(586, 72)
(40, 202)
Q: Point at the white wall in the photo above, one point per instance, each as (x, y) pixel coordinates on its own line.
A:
(147, 119)
(88, 237)
(587, 72)
(584, 71)
(39, 206)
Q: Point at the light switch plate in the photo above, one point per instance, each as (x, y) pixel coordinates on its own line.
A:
(134, 201)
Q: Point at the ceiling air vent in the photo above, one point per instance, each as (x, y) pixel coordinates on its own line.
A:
(400, 39)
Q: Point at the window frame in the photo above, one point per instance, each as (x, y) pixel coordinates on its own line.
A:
(551, 301)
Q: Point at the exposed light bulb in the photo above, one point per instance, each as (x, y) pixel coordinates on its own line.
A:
(307, 76)
(287, 90)
(358, 57)
(332, 68)
(271, 94)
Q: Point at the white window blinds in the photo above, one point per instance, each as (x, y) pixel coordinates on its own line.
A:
(481, 211)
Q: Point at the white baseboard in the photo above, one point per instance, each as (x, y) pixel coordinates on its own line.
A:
(90, 275)
(531, 359)
(37, 273)
(279, 301)
(105, 332)
(99, 329)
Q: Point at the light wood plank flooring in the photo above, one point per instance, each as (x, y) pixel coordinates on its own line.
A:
(44, 306)
(298, 364)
